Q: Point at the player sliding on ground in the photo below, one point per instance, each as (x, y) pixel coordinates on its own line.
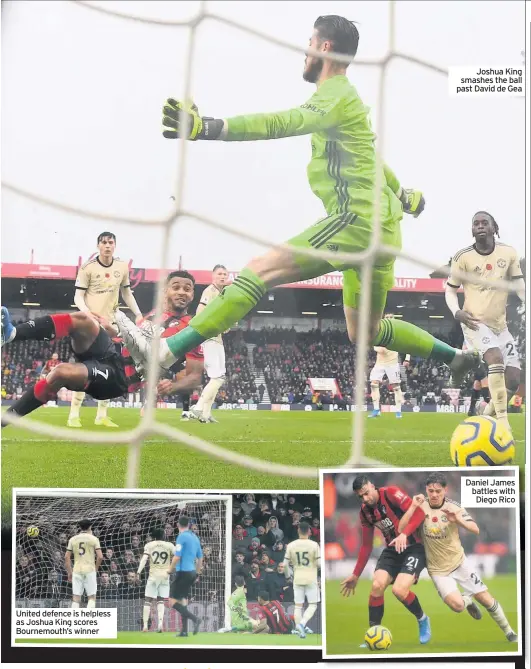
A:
(86, 551)
(159, 554)
(483, 317)
(103, 370)
(403, 559)
(445, 558)
(240, 620)
(342, 173)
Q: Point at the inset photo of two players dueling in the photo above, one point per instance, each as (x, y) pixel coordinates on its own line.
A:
(421, 562)
(129, 568)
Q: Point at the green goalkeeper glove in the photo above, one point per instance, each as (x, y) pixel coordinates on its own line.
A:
(413, 202)
(195, 126)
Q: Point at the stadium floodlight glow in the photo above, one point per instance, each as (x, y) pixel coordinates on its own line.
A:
(309, 313)
(435, 316)
(264, 312)
(31, 304)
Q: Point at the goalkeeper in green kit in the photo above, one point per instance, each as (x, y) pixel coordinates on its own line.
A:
(239, 616)
(342, 173)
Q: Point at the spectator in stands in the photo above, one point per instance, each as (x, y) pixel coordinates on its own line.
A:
(278, 551)
(249, 504)
(278, 585)
(266, 565)
(273, 532)
(253, 550)
(107, 589)
(239, 566)
(254, 582)
(249, 528)
(262, 514)
(316, 532)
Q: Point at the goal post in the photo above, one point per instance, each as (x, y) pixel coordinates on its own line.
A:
(44, 521)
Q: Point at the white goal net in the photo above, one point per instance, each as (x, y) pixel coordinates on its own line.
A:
(145, 225)
(122, 522)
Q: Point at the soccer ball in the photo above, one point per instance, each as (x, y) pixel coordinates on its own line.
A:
(32, 531)
(378, 638)
(481, 441)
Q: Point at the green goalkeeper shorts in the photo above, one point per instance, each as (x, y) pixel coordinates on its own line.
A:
(348, 233)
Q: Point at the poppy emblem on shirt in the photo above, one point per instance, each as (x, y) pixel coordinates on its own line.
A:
(489, 266)
(434, 519)
(107, 276)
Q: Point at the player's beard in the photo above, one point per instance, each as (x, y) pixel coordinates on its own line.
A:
(312, 74)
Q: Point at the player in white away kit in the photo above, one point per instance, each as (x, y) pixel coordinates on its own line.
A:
(160, 554)
(387, 364)
(98, 286)
(304, 556)
(213, 351)
(85, 548)
(482, 317)
(446, 561)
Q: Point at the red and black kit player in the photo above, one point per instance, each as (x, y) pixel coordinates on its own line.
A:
(102, 369)
(277, 619)
(403, 558)
(178, 295)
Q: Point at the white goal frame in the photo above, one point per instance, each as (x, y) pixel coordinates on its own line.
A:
(88, 493)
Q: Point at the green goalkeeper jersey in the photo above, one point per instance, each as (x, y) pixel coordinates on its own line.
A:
(238, 607)
(342, 170)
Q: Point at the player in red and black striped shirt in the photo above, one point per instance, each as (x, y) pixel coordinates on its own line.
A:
(179, 294)
(277, 619)
(403, 559)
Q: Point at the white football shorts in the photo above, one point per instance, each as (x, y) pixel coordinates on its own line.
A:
(214, 353)
(310, 592)
(158, 585)
(391, 371)
(484, 338)
(84, 583)
(464, 576)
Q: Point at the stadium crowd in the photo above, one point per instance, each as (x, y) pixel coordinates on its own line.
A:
(262, 526)
(40, 561)
(286, 357)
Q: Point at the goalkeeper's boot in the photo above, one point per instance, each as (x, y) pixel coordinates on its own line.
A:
(512, 637)
(461, 365)
(375, 413)
(398, 414)
(74, 422)
(424, 629)
(301, 631)
(472, 608)
(8, 329)
(105, 422)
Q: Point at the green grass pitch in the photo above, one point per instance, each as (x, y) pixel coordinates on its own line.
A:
(347, 622)
(320, 439)
(201, 639)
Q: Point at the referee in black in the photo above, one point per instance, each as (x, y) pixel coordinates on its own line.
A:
(188, 562)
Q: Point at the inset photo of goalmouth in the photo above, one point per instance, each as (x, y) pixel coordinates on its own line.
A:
(224, 569)
(421, 562)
